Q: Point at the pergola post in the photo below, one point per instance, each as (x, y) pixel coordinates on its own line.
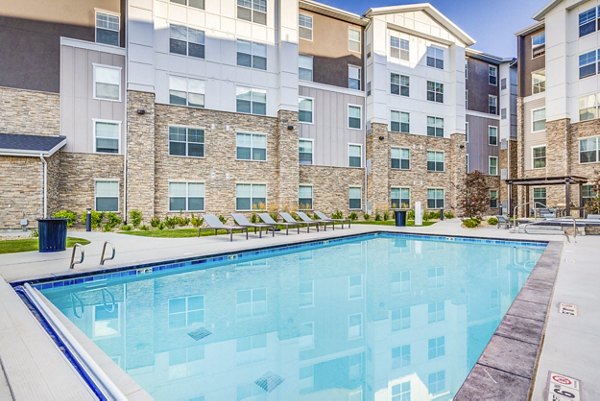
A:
(509, 203)
(568, 196)
(581, 200)
(527, 205)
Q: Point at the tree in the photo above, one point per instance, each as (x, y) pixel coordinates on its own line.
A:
(474, 196)
(592, 206)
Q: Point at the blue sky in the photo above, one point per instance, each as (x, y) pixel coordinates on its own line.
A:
(491, 23)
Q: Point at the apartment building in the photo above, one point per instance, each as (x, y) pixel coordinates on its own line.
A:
(241, 105)
(558, 128)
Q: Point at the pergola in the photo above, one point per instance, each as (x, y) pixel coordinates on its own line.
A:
(567, 181)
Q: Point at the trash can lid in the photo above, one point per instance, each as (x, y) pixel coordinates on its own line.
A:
(53, 219)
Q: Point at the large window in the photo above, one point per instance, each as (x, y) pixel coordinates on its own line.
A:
(587, 193)
(186, 92)
(399, 121)
(400, 158)
(251, 54)
(401, 392)
(587, 64)
(252, 10)
(539, 156)
(435, 57)
(107, 83)
(588, 107)
(493, 104)
(435, 161)
(107, 28)
(107, 136)
(538, 120)
(538, 81)
(589, 150)
(305, 197)
(354, 155)
(493, 198)
(354, 116)
(107, 196)
(436, 347)
(401, 356)
(436, 382)
(354, 75)
(492, 135)
(306, 151)
(354, 40)
(435, 126)
(184, 141)
(538, 45)
(305, 68)
(186, 196)
(435, 92)
(493, 75)
(399, 84)
(587, 22)
(435, 198)
(251, 101)
(355, 198)
(250, 197)
(400, 198)
(305, 23)
(186, 41)
(305, 110)
(493, 165)
(191, 3)
(399, 48)
(251, 146)
(539, 197)
(186, 311)
(251, 302)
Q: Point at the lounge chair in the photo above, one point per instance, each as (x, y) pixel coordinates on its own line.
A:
(243, 221)
(304, 217)
(503, 221)
(323, 217)
(213, 223)
(267, 219)
(289, 219)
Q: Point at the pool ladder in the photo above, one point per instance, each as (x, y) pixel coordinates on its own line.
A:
(81, 255)
(103, 258)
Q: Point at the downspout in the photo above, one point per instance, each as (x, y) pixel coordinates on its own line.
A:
(366, 127)
(45, 185)
(126, 130)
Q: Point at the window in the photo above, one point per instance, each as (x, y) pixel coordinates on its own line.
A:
(354, 155)
(435, 198)
(401, 356)
(493, 165)
(186, 41)
(587, 193)
(436, 277)
(493, 198)
(107, 83)
(306, 151)
(399, 48)
(107, 28)
(186, 92)
(305, 197)
(251, 302)
(305, 22)
(355, 198)
(587, 64)
(107, 196)
(306, 294)
(250, 196)
(186, 142)
(355, 326)
(539, 156)
(435, 161)
(354, 117)
(369, 88)
(251, 54)
(305, 68)
(251, 101)
(106, 320)
(401, 318)
(186, 196)
(435, 126)
(252, 10)
(400, 198)
(191, 3)
(493, 104)
(354, 40)
(589, 150)
(107, 136)
(492, 135)
(467, 131)
(401, 392)
(399, 84)
(399, 121)
(466, 69)
(251, 146)
(305, 110)
(436, 312)
(493, 75)
(538, 45)
(354, 74)
(503, 113)
(435, 92)
(436, 347)
(400, 158)
(400, 282)
(355, 286)
(587, 22)
(186, 311)
(436, 382)
(435, 57)
(538, 81)
(538, 120)
(503, 83)
(588, 107)
(539, 197)
(466, 98)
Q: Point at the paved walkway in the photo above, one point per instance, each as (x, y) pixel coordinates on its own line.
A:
(37, 371)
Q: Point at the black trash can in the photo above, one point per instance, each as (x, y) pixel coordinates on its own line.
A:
(52, 235)
(400, 217)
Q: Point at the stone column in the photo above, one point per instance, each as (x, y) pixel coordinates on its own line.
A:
(288, 177)
(378, 151)
(519, 190)
(458, 166)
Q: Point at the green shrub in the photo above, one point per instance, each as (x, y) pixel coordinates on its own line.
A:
(274, 215)
(353, 216)
(295, 215)
(410, 215)
(196, 221)
(144, 228)
(337, 214)
(377, 216)
(125, 227)
(112, 221)
(70, 215)
(471, 223)
(96, 217)
(35, 233)
(155, 222)
(367, 216)
(254, 218)
(449, 214)
(386, 215)
(222, 219)
(135, 218)
(170, 222)
(492, 221)
(161, 225)
(431, 215)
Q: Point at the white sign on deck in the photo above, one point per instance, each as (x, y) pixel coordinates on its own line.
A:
(563, 388)
(568, 309)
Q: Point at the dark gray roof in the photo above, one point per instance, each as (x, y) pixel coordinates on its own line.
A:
(30, 143)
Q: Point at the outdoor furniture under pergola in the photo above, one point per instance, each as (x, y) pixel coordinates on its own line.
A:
(567, 181)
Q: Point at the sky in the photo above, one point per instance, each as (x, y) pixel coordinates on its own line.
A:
(492, 24)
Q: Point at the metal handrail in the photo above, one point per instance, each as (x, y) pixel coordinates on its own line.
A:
(561, 219)
(73, 261)
(112, 300)
(111, 257)
(75, 297)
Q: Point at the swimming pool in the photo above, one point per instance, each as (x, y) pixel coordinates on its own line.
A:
(386, 316)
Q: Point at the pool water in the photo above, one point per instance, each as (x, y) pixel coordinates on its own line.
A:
(380, 318)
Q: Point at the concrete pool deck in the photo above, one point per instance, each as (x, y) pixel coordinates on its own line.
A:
(35, 369)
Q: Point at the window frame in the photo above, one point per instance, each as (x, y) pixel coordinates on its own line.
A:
(350, 105)
(588, 63)
(350, 199)
(533, 121)
(435, 126)
(534, 46)
(351, 145)
(351, 29)
(312, 196)
(312, 67)
(251, 54)
(401, 50)
(493, 199)
(399, 121)
(402, 79)
(252, 147)
(587, 22)
(491, 68)
(187, 92)
(490, 158)
(400, 159)
(253, 9)
(535, 202)
(493, 111)
(435, 58)
(300, 26)
(252, 197)
(437, 152)
(597, 150)
(312, 151)
(436, 199)
(187, 41)
(594, 107)
(400, 199)
(252, 102)
(114, 122)
(187, 195)
(95, 82)
(490, 136)
(540, 83)
(438, 90)
(534, 158)
(312, 110)
(358, 68)
(112, 14)
(112, 180)
(187, 142)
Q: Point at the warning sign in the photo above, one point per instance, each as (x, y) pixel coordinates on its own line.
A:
(563, 388)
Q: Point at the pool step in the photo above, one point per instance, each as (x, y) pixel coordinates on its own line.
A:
(200, 333)
(269, 381)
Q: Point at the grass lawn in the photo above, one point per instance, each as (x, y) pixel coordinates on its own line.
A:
(409, 223)
(31, 244)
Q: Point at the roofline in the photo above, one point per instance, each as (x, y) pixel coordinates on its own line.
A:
(541, 15)
(531, 28)
(478, 54)
(33, 153)
(338, 13)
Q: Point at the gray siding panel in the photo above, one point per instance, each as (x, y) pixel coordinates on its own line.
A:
(478, 148)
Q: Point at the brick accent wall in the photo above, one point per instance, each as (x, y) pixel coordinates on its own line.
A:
(29, 112)
(331, 186)
(20, 191)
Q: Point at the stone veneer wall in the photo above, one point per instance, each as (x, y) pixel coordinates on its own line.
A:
(29, 112)
(331, 186)
(53, 185)
(288, 158)
(20, 190)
